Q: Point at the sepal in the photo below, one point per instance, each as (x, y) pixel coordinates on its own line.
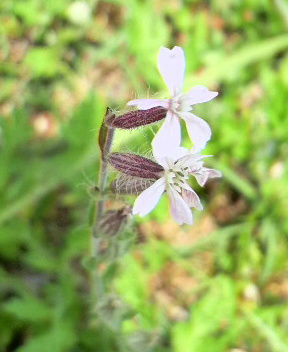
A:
(137, 118)
(114, 220)
(135, 165)
(130, 185)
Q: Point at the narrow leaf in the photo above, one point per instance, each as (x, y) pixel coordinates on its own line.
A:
(103, 132)
(240, 59)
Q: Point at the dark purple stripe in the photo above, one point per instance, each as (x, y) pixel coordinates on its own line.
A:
(133, 119)
(135, 165)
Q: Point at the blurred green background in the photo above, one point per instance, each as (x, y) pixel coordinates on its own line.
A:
(220, 285)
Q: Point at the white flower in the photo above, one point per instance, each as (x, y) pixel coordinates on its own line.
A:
(178, 167)
(171, 64)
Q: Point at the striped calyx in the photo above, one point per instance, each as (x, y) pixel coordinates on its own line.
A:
(135, 165)
(113, 220)
(137, 118)
(130, 185)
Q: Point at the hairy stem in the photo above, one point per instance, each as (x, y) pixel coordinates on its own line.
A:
(106, 148)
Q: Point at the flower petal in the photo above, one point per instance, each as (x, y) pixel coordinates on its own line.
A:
(171, 156)
(144, 104)
(171, 64)
(168, 137)
(199, 94)
(148, 199)
(192, 199)
(179, 209)
(205, 174)
(198, 130)
(190, 159)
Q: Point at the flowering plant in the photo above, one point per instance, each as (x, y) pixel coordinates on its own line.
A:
(173, 165)
(177, 169)
(169, 171)
(171, 175)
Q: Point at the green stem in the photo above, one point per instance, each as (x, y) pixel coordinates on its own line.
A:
(102, 185)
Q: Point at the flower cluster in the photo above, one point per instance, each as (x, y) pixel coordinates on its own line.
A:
(173, 164)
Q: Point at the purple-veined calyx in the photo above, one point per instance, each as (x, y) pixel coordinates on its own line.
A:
(170, 174)
(135, 165)
(137, 118)
(173, 165)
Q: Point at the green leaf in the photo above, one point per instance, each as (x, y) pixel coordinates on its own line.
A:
(10, 239)
(210, 320)
(282, 7)
(28, 309)
(60, 338)
(31, 12)
(269, 234)
(78, 151)
(231, 65)
(45, 62)
(244, 186)
(269, 334)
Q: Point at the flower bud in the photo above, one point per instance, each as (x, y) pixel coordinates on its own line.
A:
(130, 185)
(135, 165)
(137, 118)
(113, 220)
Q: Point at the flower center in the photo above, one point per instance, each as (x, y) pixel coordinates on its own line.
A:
(179, 103)
(177, 177)
(174, 104)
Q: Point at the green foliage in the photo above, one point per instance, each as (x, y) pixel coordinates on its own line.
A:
(43, 62)
(212, 323)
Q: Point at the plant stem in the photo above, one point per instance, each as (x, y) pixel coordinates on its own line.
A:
(103, 178)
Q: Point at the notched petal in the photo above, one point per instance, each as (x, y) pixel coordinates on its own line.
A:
(192, 199)
(171, 65)
(205, 174)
